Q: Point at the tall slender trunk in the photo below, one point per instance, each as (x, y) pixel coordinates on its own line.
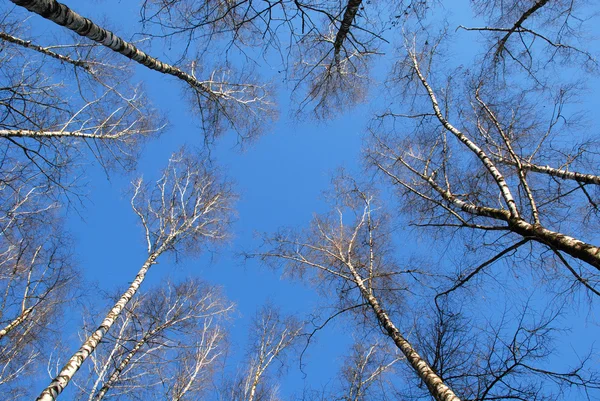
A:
(65, 375)
(111, 355)
(436, 386)
(64, 16)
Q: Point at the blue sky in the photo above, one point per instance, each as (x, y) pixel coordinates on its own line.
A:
(280, 178)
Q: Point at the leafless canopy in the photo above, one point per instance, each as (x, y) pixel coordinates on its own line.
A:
(325, 48)
(37, 279)
(487, 160)
(271, 337)
(166, 344)
(186, 207)
(59, 105)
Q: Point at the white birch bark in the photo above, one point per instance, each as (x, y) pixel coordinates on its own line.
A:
(114, 376)
(572, 246)
(436, 386)
(578, 249)
(438, 389)
(64, 16)
(218, 99)
(65, 375)
(472, 146)
(28, 44)
(23, 133)
(16, 322)
(336, 246)
(556, 172)
(185, 205)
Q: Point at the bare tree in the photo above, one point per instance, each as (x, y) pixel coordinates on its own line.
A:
(37, 279)
(502, 357)
(353, 258)
(487, 357)
(367, 373)
(325, 48)
(364, 371)
(532, 36)
(271, 338)
(483, 172)
(186, 208)
(59, 103)
(222, 103)
(166, 342)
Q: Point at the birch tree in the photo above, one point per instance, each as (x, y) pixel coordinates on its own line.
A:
(221, 101)
(349, 254)
(185, 209)
(166, 342)
(271, 336)
(367, 371)
(59, 105)
(37, 279)
(491, 166)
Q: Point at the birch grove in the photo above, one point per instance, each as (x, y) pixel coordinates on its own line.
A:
(185, 207)
(456, 258)
(347, 253)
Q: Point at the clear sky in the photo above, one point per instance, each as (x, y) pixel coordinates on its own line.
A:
(280, 178)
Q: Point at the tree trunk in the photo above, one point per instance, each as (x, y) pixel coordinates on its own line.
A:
(59, 383)
(349, 15)
(561, 242)
(63, 15)
(438, 389)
